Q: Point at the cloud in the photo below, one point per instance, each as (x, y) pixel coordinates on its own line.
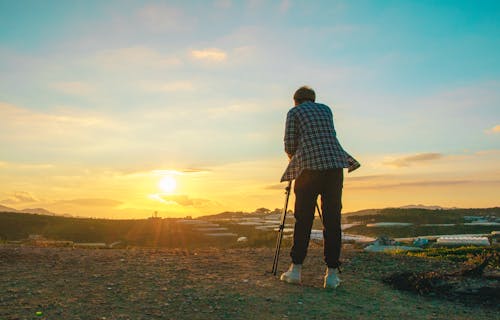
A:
(223, 4)
(367, 178)
(426, 183)
(173, 86)
(210, 54)
(73, 88)
(490, 152)
(275, 187)
(19, 197)
(26, 166)
(183, 200)
(254, 4)
(238, 108)
(162, 172)
(414, 159)
(284, 6)
(195, 170)
(90, 202)
(61, 125)
(162, 18)
(494, 130)
(467, 97)
(18, 116)
(139, 57)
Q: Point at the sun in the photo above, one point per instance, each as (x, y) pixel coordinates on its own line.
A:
(167, 184)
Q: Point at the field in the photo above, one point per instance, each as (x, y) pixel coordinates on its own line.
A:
(212, 283)
(423, 222)
(172, 269)
(179, 233)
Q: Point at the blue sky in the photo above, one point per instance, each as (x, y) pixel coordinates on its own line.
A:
(105, 89)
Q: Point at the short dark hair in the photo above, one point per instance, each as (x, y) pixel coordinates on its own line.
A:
(303, 94)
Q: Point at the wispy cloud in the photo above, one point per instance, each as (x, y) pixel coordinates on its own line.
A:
(90, 202)
(494, 130)
(284, 6)
(73, 87)
(180, 172)
(195, 170)
(237, 108)
(26, 166)
(275, 187)
(367, 178)
(164, 18)
(19, 197)
(173, 86)
(468, 97)
(133, 57)
(62, 124)
(412, 160)
(424, 183)
(210, 54)
(254, 4)
(15, 115)
(223, 4)
(182, 200)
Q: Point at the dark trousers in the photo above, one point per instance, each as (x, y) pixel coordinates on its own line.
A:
(310, 184)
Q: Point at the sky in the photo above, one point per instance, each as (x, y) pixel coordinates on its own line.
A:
(118, 109)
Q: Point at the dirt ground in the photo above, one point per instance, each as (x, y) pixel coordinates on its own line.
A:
(67, 283)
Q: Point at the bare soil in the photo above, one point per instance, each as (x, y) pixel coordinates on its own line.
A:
(67, 283)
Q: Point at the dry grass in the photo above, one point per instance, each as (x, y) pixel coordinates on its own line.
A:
(66, 283)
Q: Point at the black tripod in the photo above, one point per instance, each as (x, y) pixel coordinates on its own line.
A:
(282, 227)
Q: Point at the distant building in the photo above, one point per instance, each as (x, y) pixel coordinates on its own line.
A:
(91, 245)
(39, 240)
(35, 237)
(155, 216)
(475, 219)
(462, 240)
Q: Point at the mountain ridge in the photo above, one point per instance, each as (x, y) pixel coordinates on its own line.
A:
(29, 210)
(43, 211)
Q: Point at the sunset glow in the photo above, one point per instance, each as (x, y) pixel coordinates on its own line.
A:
(118, 109)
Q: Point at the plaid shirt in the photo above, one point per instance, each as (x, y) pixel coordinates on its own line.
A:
(311, 141)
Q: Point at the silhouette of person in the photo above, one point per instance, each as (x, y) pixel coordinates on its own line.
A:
(316, 163)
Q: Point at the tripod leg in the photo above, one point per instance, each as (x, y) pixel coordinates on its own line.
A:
(281, 229)
(319, 212)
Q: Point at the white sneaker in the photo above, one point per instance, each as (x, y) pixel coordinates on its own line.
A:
(293, 274)
(332, 280)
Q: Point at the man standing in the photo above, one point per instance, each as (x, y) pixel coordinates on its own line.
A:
(316, 163)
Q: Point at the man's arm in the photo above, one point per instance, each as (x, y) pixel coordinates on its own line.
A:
(291, 135)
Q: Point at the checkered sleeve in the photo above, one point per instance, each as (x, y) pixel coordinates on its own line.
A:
(291, 134)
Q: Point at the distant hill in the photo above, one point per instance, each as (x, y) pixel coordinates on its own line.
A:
(226, 215)
(239, 214)
(170, 232)
(39, 211)
(421, 221)
(362, 212)
(28, 210)
(7, 209)
(421, 206)
(224, 229)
